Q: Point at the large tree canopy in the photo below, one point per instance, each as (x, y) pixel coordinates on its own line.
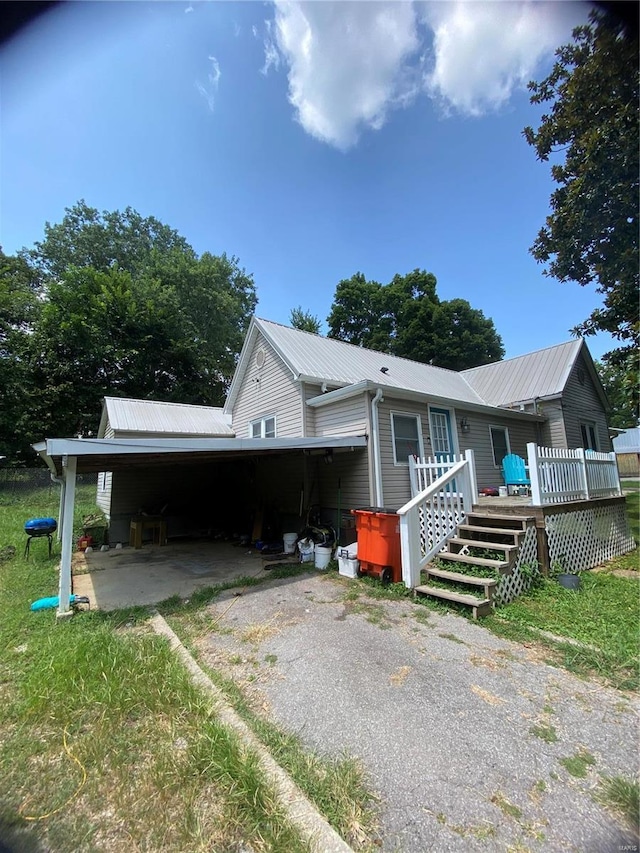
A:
(591, 135)
(126, 308)
(406, 318)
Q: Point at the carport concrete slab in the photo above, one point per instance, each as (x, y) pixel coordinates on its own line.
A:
(122, 577)
(446, 717)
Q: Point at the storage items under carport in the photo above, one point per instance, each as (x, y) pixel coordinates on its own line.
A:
(378, 532)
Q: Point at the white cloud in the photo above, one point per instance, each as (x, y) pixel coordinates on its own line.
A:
(210, 89)
(271, 53)
(349, 63)
(484, 51)
(346, 63)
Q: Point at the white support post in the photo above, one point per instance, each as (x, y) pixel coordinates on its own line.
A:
(582, 464)
(614, 463)
(470, 456)
(69, 474)
(60, 511)
(534, 474)
(410, 553)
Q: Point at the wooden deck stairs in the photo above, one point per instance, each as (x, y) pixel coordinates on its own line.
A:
(485, 547)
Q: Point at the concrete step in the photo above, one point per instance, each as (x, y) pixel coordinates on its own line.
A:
(479, 606)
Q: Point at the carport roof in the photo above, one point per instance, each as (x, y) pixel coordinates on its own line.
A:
(113, 454)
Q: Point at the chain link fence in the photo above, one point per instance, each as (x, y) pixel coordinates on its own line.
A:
(16, 481)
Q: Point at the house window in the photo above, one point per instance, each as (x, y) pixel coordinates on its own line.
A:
(589, 437)
(407, 437)
(499, 444)
(263, 428)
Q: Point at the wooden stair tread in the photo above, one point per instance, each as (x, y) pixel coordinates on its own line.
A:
(475, 543)
(502, 531)
(458, 577)
(450, 595)
(495, 516)
(472, 561)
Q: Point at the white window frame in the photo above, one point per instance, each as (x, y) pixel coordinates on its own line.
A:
(418, 420)
(261, 423)
(589, 425)
(505, 430)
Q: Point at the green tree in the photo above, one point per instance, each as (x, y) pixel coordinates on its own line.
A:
(591, 135)
(19, 310)
(406, 318)
(129, 309)
(620, 380)
(305, 321)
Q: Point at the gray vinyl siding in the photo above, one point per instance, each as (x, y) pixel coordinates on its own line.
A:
(396, 485)
(344, 417)
(103, 496)
(479, 440)
(268, 390)
(343, 485)
(582, 404)
(309, 414)
(553, 430)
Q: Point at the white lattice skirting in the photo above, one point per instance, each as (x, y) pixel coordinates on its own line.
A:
(585, 538)
(524, 573)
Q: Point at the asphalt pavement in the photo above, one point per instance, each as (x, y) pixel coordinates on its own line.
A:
(463, 735)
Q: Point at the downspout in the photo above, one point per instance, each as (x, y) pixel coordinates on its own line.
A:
(375, 434)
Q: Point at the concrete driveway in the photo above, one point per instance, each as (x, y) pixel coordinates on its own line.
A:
(463, 735)
(123, 577)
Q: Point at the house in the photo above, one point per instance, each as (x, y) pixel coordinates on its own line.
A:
(626, 446)
(313, 421)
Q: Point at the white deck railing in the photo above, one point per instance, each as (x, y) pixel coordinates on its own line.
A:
(432, 516)
(559, 475)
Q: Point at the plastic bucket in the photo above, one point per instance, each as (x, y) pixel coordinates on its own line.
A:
(289, 540)
(306, 547)
(323, 555)
(503, 491)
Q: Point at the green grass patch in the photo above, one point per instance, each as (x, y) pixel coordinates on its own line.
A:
(105, 742)
(545, 732)
(604, 615)
(623, 797)
(578, 765)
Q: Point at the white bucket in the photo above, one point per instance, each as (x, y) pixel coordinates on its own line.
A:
(305, 546)
(323, 555)
(289, 540)
(503, 491)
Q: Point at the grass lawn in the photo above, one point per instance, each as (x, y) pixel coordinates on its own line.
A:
(104, 742)
(604, 616)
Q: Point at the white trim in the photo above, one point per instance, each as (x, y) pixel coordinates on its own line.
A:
(498, 465)
(263, 426)
(394, 392)
(416, 417)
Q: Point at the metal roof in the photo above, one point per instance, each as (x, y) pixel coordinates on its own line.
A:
(527, 377)
(336, 363)
(95, 454)
(628, 441)
(151, 416)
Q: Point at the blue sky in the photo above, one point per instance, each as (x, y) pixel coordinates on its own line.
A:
(311, 140)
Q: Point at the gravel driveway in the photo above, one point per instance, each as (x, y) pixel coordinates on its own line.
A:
(462, 733)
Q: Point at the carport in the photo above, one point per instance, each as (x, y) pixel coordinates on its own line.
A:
(68, 457)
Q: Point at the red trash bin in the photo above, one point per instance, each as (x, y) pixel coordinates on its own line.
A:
(378, 532)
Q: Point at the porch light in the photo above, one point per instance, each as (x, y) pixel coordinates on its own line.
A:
(464, 425)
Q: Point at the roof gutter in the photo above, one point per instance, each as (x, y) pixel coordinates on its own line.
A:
(405, 394)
